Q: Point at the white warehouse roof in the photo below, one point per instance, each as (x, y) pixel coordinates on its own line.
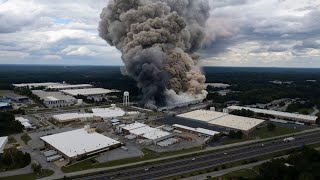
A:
(155, 134)
(277, 113)
(237, 122)
(87, 92)
(69, 86)
(108, 112)
(133, 126)
(36, 84)
(202, 115)
(199, 130)
(71, 116)
(79, 142)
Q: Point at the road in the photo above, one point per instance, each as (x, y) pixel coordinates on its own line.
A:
(188, 164)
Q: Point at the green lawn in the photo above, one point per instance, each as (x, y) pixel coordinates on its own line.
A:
(265, 133)
(3, 92)
(20, 177)
(148, 154)
(45, 173)
(25, 138)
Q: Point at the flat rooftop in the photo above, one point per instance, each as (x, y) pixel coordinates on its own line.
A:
(87, 92)
(36, 84)
(79, 142)
(69, 86)
(199, 130)
(4, 104)
(202, 115)
(277, 113)
(52, 96)
(108, 112)
(146, 131)
(133, 126)
(236, 122)
(71, 116)
(3, 140)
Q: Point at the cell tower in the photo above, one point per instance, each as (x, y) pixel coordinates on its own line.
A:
(126, 98)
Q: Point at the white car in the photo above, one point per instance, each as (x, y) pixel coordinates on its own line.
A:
(193, 159)
(225, 153)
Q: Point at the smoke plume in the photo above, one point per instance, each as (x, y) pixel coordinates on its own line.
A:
(158, 40)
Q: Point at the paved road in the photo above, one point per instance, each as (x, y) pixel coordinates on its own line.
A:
(208, 160)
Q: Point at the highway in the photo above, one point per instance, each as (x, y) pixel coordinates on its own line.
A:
(197, 162)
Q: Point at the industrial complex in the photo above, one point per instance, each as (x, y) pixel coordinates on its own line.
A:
(74, 123)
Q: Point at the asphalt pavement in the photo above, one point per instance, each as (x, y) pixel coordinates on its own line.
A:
(203, 161)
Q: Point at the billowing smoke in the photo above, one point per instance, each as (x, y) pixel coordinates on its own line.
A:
(158, 40)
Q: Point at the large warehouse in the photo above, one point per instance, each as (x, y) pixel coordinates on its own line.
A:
(55, 99)
(35, 85)
(278, 114)
(68, 86)
(76, 144)
(96, 94)
(223, 120)
(144, 131)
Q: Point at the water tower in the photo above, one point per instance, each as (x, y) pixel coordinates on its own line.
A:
(126, 98)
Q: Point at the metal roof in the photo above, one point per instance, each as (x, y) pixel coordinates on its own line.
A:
(79, 142)
(277, 113)
(199, 130)
(87, 92)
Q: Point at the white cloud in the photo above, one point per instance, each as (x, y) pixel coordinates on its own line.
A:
(240, 33)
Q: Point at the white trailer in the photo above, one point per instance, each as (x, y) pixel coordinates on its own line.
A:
(53, 158)
(50, 153)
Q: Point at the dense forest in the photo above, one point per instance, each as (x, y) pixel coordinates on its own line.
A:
(248, 85)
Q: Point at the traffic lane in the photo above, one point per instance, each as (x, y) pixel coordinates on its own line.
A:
(223, 159)
(130, 171)
(218, 161)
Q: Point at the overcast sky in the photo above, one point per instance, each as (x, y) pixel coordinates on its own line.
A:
(268, 33)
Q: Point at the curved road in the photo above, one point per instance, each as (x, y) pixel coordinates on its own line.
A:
(198, 162)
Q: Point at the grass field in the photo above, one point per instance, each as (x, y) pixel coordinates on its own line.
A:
(20, 177)
(3, 92)
(265, 133)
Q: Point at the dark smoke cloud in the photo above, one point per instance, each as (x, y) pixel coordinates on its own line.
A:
(158, 40)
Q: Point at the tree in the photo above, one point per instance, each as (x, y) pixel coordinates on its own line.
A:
(239, 134)
(37, 168)
(271, 127)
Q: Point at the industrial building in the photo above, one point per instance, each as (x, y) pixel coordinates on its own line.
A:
(3, 142)
(17, 98)
(96, 94)
(5, 106)
(278, 114)
(68, 86)
(55, 99)
(107, 113)
(71, 117)
(144, 131)
(35, 85)
(198, 131)
(97, 114)
(223, 120)
(25, 122)
(79, 143)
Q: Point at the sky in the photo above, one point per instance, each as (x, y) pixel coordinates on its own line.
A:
(247, 33)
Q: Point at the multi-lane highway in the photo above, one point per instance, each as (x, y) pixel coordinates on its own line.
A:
(197, 162)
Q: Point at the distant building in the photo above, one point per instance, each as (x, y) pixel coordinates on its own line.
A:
(96, 94)
(17, 98)
(68, 86)
(279, 114)
(5, 106)
(25, 122)
(55, 99)
(76, 144)
(35, 85)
